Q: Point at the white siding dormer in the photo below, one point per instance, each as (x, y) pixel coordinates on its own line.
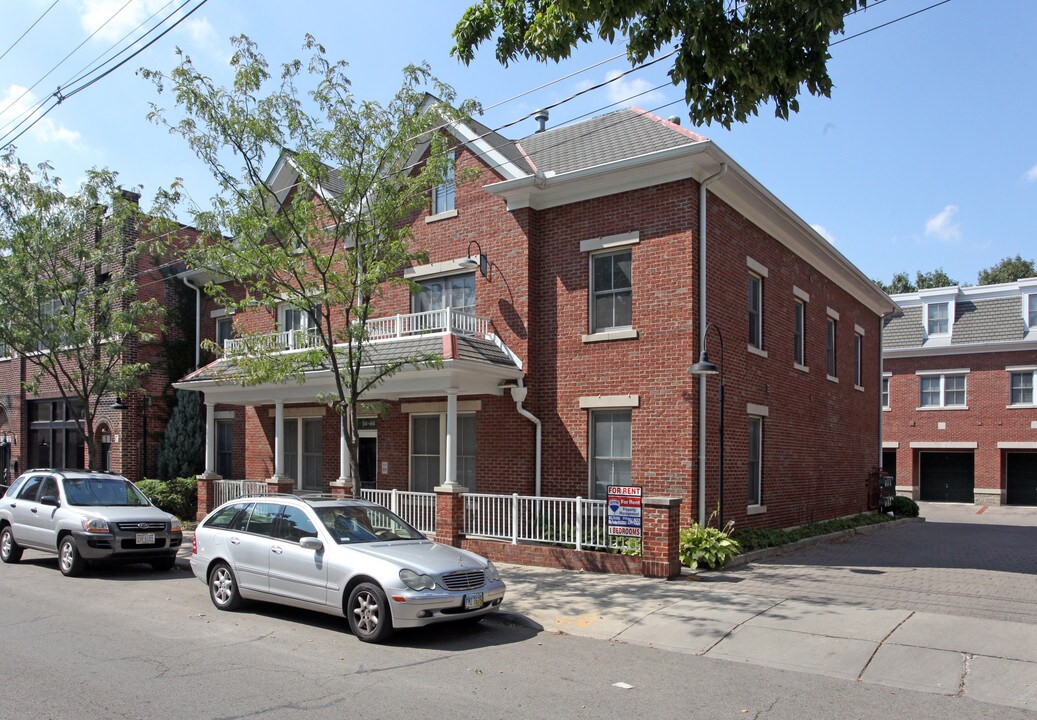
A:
(1028, 291)
(938, 306)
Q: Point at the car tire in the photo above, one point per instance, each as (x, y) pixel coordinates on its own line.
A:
(368, 613)
(223, 588)
(10, 552)
(70, 562)
(164, 564)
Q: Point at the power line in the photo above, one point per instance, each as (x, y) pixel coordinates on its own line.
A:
(30, 28)
(887, 24)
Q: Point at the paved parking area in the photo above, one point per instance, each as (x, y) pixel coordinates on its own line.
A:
(961, 561)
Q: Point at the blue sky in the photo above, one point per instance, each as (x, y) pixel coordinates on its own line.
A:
(925, 156)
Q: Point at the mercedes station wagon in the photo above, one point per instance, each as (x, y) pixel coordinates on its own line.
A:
(349, 558)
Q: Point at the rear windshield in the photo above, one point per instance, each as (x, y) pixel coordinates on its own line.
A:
(360, 524)
(109, 492)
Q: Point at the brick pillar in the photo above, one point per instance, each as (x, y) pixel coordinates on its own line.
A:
(660, 536)
(340, 489)
(280, 484)
(450, 514)
(206, 494)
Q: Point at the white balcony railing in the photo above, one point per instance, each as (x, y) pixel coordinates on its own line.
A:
(385, 328)
(227, 490)
(417, 508)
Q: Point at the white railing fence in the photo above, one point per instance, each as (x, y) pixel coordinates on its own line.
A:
(417, 508)
(272, 342)
(444, 320)
(575, 522)
(227, 490)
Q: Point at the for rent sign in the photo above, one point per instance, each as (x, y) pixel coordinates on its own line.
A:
(624, 510)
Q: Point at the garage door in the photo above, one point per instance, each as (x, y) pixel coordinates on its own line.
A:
(946, 476)
(1021, 478)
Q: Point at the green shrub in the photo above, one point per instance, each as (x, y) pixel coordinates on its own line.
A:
(178, 496)
(758, 539)
(708, 546)
(904, 507)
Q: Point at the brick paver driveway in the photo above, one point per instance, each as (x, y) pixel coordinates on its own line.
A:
(959, 562)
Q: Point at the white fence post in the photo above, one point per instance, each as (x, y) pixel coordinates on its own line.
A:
(394, 502)
(514, 519)
(579, 523)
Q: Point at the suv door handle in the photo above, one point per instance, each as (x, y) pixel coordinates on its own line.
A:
(235, 541)
(32, 510)
(277, 549)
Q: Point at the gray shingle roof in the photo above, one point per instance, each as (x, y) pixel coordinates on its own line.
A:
(506, 147)
(979, 321)
(607, 138)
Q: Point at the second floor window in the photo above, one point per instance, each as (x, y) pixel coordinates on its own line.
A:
(799, 342)
(942, 391)
(1021, 392)
(885, 393)
(611, 291)
(831, 347)
(452, 291)
(224, 331)
(756, 311)
(443, 194)
(858, 360)
(939, 324)
(293, 318)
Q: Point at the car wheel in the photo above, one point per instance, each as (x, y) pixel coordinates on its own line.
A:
(223, 588)
(368, 613)
(70, 561)
(9, 550)
(164, 564)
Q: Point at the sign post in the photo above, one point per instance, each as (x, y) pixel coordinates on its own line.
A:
(623, 503)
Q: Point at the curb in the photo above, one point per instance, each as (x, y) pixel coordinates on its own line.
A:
(765, 553)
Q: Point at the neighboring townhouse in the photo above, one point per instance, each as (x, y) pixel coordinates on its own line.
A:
(38, 430)
(583, 267)
(959, 413)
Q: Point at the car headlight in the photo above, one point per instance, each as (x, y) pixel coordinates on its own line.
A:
(417, 582)
(95, 525)
(174, 524)
(491, 572)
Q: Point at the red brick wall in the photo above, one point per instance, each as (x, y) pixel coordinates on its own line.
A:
(987, 421)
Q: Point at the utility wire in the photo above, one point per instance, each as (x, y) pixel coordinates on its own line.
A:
(30, 28)
(887, 24)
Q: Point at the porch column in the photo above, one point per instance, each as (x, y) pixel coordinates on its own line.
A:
(210, 439)
(450, 461)
(342, 487)
(278, 439)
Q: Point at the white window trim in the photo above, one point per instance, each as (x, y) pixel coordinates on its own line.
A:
(758, 349)
(610, 241)
(858, 359)
(1028, 297)
(758, 508)
(757, 410)
(950, 318)
(801, 294)
(1021, 369)
(442, 441)
(943, 390)
(299, 412)
(621, 330)
(609, 402)
(223, 415)
(590, 435)
(757, 268)
(438, 408)
(444, 268)
(888, 378)
(834, 314)
(800, 302)
(445, 215)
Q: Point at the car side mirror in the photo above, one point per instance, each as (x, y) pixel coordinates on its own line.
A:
(50, 500)
(311, 543)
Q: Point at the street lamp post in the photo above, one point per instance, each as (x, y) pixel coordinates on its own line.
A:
(705, 367)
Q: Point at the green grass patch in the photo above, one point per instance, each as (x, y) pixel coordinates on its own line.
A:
(755, 539)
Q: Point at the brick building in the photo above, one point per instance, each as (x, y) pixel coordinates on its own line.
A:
(582, 268)
(959, 418)
(38, 429)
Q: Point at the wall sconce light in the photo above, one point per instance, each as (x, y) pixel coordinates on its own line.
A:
(478, 261)
(119, 404)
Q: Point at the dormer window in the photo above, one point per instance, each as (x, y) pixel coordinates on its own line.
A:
(938, 321)
(443, 194)
(1031, 311)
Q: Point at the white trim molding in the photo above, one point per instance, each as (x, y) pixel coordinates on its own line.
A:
(605, 335)
(801, 293)
(1008, 445)
(419, 408)
(958, 371)
(610, 241)
(445, 267)
(445, 215)
(890, 445)
(858, 329)
(832, 313)
(757, 267)
(597, 402)
(298, 412)
(223, 415)
(944, 445)
(757, 410)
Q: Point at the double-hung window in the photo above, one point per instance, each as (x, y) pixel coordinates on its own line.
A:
(456, 292)
(799, 330)
(885, 393)
(942, 390)
(755, 464)
(1031, 311)
(610, 449)
(611, 291)
(938, 322)
(858, 360)
(1021, 386)
(755, 311)
(427, 448)
(443, 194)
(832, 326)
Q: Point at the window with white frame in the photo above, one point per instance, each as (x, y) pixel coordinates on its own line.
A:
(755, 311)
(610, 438)
(611, 290)
(428, 447)
(224, 330)
(48, 310)
(938, 321)
(293, 318)
(443, 194)
(449, 291)
(1021, 387)
(831, 347)
(942, 390)
(799, 332)
(858, 360)
(755, 464)
(885, 393)
(1031, 311)
(225, 449)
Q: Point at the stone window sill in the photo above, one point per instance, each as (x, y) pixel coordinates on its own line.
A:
(446, 215)
(629, 334)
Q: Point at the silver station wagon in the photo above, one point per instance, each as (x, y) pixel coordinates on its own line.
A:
(350, 558)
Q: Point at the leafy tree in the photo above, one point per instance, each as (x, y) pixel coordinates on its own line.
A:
(1008, 270)
(331, 253)
(183, 446)
(934, 279)
(730, 56)
(69, 298)
(901, 283)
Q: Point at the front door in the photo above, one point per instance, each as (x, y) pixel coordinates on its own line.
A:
(368, 452)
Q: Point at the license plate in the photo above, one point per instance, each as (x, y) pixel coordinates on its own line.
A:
(473, 601)
(145, 538)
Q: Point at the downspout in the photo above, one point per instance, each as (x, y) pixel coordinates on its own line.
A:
(518, 394)
(197, 322)
(702, 329)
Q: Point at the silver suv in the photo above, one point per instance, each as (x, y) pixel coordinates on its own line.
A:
(85, 516)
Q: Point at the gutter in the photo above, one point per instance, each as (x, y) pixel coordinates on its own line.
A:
(702, 331)
(197, 321)
(518, 394)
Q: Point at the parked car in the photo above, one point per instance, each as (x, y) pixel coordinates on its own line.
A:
(85, 516)
(349, 558)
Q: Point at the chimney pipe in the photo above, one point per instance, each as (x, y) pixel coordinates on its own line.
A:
(541, 118)
(675, 119)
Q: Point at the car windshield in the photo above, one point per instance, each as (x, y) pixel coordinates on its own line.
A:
(362, 524)
(111, 492)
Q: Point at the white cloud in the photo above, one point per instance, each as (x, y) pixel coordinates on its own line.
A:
(1031, 174)
(623, 89)
(823, 232)
(21, 108)
(112, 19)
(202, 33)
(942, 225)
